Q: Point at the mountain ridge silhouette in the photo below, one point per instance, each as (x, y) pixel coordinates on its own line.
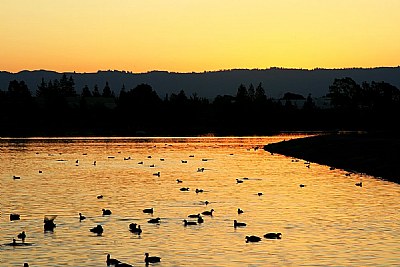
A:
(209, 84)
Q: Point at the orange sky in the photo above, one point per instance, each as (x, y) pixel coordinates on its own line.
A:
(185, 35)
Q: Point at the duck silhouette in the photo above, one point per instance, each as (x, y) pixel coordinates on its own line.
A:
(238, 224)
(359, 184)
(210, 213)
(97, 230)
(136, 230)
(186, 223)
(200, 219)
(106, 212)
(252, 238)
(273, 235)
(194, 215)
(14, 217)
(240, 211)
(22, 236)
(156, 220)
(81, 217)
(151, 210)
(152, 259)
(184, 189)
(111, 261)
(49, 224)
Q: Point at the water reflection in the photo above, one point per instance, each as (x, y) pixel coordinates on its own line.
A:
(328, 222)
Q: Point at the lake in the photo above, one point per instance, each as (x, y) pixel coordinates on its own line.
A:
(328, 222)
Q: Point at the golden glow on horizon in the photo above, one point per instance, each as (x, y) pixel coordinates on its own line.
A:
(198, 35)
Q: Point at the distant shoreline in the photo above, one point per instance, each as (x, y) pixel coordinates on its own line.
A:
(372, 154)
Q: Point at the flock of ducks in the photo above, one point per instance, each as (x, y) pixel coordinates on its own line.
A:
(49, 224)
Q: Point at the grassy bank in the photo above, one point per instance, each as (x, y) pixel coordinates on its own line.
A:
(374, 154)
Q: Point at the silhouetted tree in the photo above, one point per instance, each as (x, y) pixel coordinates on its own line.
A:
(242, 95)
(345, 93)
(96, 92)
(86, 92)
(107, 91)
(251, 93)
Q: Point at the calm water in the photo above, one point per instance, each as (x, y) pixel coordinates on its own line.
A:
(329, 222)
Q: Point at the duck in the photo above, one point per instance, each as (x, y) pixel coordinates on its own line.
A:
(259, 194)
(194, 215)
(178, 181)
(156, 220)
(184, 161)
(273, 235)
(106, 212)
(26, 264)
(136, 230)
(359, 184)
(152, 166)
(238, 181)
(22, 236)
(152, 259)
(81, 217)
(49, 224)
(200, 169)
(208, 212)
(206, 202)
(151, 210)
(302, 185)
(184, 189)
(111, 261)
(140, 162)
(252, 238)
(16, 177)
(199, 190)
(240, 211)
(200, 219)
(186, 223)
(14, 217)
(157, 174)
(97, 230)
(238, 224)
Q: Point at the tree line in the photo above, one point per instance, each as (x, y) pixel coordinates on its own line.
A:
(56, 109)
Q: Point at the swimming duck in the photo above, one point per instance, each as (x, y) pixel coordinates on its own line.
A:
(157, 174)
(140, 162)
(273, 235)
(26, 264)
(136, 230)
(106, 212)
(184, 161)
(14, 217)
(238, 224)
(152, 259)
(200, 219)
(194, 215)
(240, 211)
(100, 196)
(49, 224)
(359, 184)
(16, 177)
(156, 220)
(111, 261)
(302, 185)
(122, 264)
(22, 236)
(252, 238)
(185, 223)
(199, 190)
(81, 217)
(148, 210)
(184, 189)
(259, 194)
(208, 212)
(238, 181)
(178, 181)
(97, 230)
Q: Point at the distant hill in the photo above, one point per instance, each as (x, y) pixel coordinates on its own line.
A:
(276, 81)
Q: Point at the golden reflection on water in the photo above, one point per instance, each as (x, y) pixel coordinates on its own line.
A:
(329, 222)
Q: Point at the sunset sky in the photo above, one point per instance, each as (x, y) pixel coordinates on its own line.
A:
(198, 35)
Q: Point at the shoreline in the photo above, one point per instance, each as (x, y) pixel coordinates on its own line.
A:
(373, 154)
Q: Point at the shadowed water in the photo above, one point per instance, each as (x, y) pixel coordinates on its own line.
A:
(329, 222)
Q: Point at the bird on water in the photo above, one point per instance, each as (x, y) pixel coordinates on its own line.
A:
(151, 259)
